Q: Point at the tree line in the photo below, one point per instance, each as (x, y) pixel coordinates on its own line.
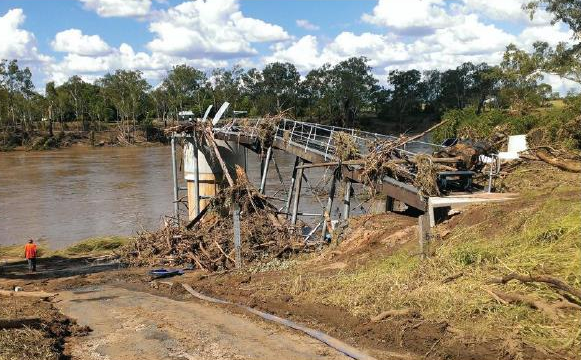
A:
(338, 94)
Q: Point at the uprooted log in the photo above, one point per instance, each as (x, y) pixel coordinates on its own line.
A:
(545, 155)
(551, 281)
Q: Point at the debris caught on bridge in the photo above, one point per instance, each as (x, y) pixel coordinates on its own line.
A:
(208, 244)
(345, 146)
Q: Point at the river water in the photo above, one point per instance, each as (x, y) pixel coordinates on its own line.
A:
(68, 195)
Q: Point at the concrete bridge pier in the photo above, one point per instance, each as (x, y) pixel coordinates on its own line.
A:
(203, 173)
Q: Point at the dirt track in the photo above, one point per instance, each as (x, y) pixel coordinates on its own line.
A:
(135, 325)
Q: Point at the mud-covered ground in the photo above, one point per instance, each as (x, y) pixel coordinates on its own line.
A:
(444, 307)
(33, 328)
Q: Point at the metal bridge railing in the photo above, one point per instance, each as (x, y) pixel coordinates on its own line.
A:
(318, 138)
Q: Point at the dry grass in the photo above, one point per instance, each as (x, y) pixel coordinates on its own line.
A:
(42, 341)
(539, 234)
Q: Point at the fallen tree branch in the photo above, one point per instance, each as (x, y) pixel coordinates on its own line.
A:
(452, 277)
(210, 136)
(412, 138)
(563, 164)
(391, 313)
(552, 281)
(533, 303)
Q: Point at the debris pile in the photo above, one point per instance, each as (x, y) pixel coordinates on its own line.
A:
(209, 243)
(345, 146)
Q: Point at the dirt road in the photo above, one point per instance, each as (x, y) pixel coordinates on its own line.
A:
(135, 325)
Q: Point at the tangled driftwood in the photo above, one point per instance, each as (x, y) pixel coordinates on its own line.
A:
(209, 245)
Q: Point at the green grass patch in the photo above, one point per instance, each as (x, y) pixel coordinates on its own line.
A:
(95, 246)
(17, 251)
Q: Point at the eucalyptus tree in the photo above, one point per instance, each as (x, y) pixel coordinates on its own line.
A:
(161, 102)
(354, 87)
(127, 92)
(186, 88)
(567, 11)
(52, 103)
(226, 85)
(406, 93)
(19, 89)
(518, 75)
(279, 87)
(560, 61)
(316, 94)
(252, 90)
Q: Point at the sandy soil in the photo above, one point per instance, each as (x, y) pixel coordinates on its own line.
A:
(130, 324)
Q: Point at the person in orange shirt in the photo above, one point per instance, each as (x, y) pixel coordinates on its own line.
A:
(30, 254)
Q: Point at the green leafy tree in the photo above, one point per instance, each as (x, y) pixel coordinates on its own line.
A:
(161, 102)
(227, 86)
(354, 87)
(185, 86)
(316, 95)
(406, 93)
(279, 87)
(560, 61)
(518, 74)
(19, 88)
(567, 11)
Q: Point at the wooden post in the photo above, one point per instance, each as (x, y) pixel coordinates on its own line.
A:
(237, 240)
(389, 204)
(329, 208)
(197, 179)
(245, 159)
(292, 186)
(297, 194)
(423, 232)
(265, 170)
(347, 199)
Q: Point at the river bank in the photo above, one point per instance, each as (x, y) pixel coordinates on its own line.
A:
(373, 292)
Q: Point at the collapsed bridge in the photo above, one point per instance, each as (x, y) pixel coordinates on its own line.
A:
(313, 145)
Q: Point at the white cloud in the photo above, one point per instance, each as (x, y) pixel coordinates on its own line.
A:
(560, 85)
(379, 49)
(154, 65)
(210, 28)
(410, 16)
(17, 43)
(304, 54)
(550, 34)
(467, 39)
(73, 41)
(307, 25)
(506, 10)
(119, 8)
(470, 37)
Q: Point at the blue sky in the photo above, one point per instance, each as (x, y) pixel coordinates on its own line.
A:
(61, 38)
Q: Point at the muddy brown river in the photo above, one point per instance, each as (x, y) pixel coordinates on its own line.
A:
(68, 195)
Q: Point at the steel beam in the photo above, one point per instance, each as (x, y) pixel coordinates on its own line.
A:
(176, 186)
